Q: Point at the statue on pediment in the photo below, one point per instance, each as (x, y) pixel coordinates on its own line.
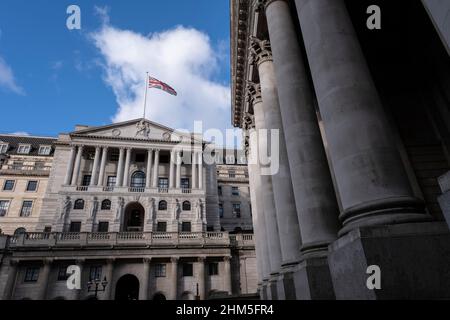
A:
(143, 129)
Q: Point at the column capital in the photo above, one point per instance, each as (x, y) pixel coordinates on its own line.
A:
(147, 260)
(47, 261)
(110, 260)
(201, 259)
(259, 51)
(261, 5)
(227, 258)
(80, 262)
(157, 150)
(174, 259)
(253, 92)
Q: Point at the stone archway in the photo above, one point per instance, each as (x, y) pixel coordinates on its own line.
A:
(127, 288)
(134, 218)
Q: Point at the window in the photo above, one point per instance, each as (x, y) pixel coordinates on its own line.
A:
(4, 206)
(86, 180)
(188, 270)
(24, 149)
(235, 191)
(95, 273)
(111, 181)
(237, 210)
(20, 231)
(140, 157)
(185, 183)
(62, 273)
(186, 206)
(48, 229)
(103, 226)
(114, 156)
(210, 228)
(32, 274)
(221, 210)
(32, 186)
(27, 206)
(75, 226)
(4, 147)
(160, 270)
(44, 150)
(232, 174)
(39, 165)
(186, 227)
(213, 269)
(9, 185)
(161, 226)
(162, 205)
(138, 180)
(219, 190)
(106, 205)
(79, 204)
(163, 183)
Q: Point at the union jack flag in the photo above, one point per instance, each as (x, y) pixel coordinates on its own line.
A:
(155, 83)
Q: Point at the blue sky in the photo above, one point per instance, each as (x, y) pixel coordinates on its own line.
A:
(52, 78)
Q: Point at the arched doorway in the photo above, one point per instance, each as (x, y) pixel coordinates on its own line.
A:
(134, 218)
(127, 288)
(159, 297)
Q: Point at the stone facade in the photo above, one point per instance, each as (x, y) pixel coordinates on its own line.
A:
(362, 141)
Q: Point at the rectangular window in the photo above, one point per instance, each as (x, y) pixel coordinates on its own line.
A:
(24, 149)
(163, 183)
(186, 227)
(32, 186)
(32, 274)
(213, 269)
(75, 226)
(62, 273)
(4, 206)
(9, 185)
(219, 190)
(95, 273)
(86, 180)
(235, 191)
(237, 210)
(161, 227)
(232, 173)
(185, 183)
(103, 226)
(27, 206)
(47, 229)
(4, 147)
(160, 270)
(221, 210)
(44, 150)
(111, 181)
(188, 270)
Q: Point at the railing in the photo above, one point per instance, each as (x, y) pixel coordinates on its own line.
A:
(108, 189)
(136, 189)
(145, 239)
(83, 188)
(186, 190)
(163, 190)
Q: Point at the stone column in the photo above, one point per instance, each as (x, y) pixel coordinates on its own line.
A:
(126, 173)
(178, 175)
(227, 275)
(156, 170)
(174, 276)
(200, 170)
(201, 277)
(145, 278)
(316, 203)
(194, 170)
(8, 293)
(76, 170)
(43, 279)
(69, 171)
(149, 168)
(372, 182)
(286, 212)
(119, 177)
(172, 169)
(94, 173)
(109, 277)
(101, 177)
(79, 292)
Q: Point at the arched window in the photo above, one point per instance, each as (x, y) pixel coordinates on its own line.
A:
(162, 206)
(79, 204)
(138, 180)
(20, 231)
(186, 206)
(106, 204)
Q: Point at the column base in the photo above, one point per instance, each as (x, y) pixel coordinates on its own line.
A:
(288, 282)
(413, 259)
(263, 290)
(274, 287)
(312, 279)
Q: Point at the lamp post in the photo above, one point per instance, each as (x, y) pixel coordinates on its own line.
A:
(197, 297)
(97, 284)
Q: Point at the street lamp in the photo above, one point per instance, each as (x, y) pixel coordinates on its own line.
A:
(97, 283)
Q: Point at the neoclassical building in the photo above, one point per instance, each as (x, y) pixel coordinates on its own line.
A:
(135, 203)
(363, 120)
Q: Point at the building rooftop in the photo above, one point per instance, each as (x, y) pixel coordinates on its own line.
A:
(14, 141)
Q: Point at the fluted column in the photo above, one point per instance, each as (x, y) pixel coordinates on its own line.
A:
(174, 277)
(119, 177)
(43, 279)
(200, 170)
(69, 172)
(227, 275)
(8, 293)
(145, 278)
(194, 170)
(156, 170)
(286, 211)
(76, 170)
(126, 173)
(173, 160)
(370, 176)
(94, 173)
(201, 277)
(109, 277)
(149, 168)
(315, 198)
(178, 175)
(101, 176)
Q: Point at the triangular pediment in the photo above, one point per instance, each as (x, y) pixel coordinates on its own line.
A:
(139, 129)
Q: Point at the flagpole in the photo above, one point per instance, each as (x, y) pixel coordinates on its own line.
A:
(145, 99)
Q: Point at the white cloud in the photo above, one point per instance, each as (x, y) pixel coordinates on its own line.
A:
(20, 133)
(183, 57)
(7, 79)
